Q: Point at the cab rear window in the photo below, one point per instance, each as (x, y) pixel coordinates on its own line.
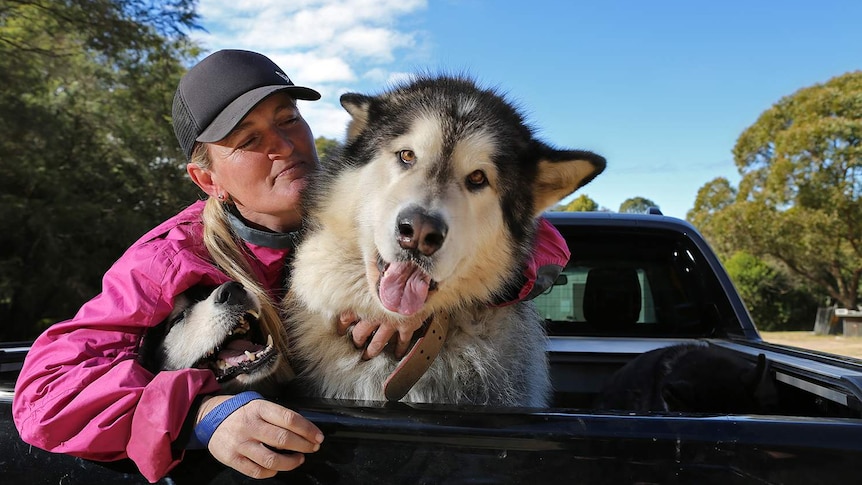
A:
(624, 284)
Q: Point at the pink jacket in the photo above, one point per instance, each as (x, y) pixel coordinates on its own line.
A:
(81, 390)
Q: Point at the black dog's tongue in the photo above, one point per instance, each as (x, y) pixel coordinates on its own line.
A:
(404, 288)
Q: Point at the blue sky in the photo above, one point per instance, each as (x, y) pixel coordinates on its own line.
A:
(661, 89)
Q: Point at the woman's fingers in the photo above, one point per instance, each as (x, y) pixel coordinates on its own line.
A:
(381, 336)
(289, 430)
(258, 461)
(405, 339)
(345, 321)
(262, 438)
(374, 335)
(362, 331)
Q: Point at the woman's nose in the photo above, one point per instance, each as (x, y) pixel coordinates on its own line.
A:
(281, 145)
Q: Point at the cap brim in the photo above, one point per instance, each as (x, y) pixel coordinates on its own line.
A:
(233, 113)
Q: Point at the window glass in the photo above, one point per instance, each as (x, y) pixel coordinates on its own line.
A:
(624, 283)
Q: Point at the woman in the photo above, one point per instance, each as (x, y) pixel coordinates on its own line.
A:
(81, 390)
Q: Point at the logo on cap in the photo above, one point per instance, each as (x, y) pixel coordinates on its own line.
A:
(284, 76)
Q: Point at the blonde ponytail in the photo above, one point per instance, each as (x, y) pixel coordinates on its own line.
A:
(225, 248)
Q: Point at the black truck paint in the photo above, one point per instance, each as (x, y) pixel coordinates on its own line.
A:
(815, 435)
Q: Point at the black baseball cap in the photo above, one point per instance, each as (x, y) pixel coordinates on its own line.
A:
(217, 93)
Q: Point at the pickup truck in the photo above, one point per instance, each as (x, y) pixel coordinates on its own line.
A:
(813, 435)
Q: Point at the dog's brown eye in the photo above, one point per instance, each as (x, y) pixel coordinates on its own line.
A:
(407, 157)
(477, 179)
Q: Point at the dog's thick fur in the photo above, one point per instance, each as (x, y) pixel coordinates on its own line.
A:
(430, 208)
(696, 378)
(216, 328)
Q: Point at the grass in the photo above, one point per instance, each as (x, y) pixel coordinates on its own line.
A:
(834, 344)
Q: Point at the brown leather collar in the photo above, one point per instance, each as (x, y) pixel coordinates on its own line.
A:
(418, 360)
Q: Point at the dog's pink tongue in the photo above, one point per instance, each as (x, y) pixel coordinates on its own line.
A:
(404, 288)
(234, 351)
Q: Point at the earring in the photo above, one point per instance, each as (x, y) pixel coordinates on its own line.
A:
(220, 196)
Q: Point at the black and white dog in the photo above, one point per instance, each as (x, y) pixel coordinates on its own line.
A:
(429, 211)
(217, 329)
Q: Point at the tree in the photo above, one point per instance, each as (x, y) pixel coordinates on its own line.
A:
(711, 199)
(582, 203)
(774, 302)
(88, 160)
(636, 205)
(325, 146)
(798, 202)
(708, 213)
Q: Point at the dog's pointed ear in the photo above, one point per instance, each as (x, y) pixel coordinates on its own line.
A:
(358, 106)
(561, 172)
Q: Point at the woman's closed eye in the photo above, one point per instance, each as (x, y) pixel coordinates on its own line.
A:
(247, 143)
(287, 121)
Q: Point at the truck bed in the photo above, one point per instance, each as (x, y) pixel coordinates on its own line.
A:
(814, 435)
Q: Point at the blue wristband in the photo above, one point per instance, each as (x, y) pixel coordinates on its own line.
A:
(204, 430)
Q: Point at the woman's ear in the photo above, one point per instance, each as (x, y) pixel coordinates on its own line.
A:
(203, 179)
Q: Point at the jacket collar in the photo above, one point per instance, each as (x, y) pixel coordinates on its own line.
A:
(268, 239)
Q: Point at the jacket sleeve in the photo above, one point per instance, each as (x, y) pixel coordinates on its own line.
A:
(550, 255)
(81, 390)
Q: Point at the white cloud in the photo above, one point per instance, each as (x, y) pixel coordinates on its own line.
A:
(325, 119)
(330, 45)
(314, 70)
(399, 77)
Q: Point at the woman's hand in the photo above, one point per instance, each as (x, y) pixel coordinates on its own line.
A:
(380, 333)
(239, 441)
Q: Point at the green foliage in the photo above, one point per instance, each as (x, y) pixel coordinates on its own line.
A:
(325, 146)
(798, 202)
(636, 205)
(770, 296)
(711, 199)
(581, 203)
(89, 161)
(708, 214)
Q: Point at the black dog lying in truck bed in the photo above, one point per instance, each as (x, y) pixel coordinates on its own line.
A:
(695, 378)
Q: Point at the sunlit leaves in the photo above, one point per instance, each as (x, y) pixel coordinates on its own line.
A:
(88, 160)
(581, 203)
(799, 202)
(637, 205)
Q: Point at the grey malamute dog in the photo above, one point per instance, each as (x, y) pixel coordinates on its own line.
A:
(429, 210)
(215, 328)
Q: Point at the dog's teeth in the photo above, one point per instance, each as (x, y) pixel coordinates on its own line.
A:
(250, 356)
(254, 313)
(269, 340)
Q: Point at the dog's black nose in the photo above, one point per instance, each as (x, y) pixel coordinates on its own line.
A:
(418, 230)
(229, 293)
